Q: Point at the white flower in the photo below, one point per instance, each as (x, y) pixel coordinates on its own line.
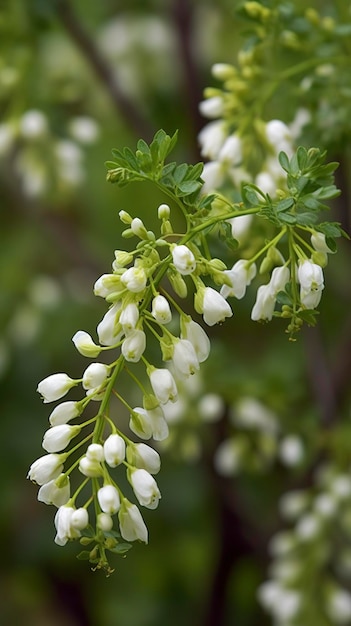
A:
(311, 280)
(33, 124)
(163, 385)
(266, 183)
(278, 135)
(212, 107)
(46, 468)
(183, 259)
(213, 306)
(55, 492)
(138, 228)
(161, 310)
(184, 358)
(228, 457)
(143, 457)
(211, 407)
(231, 150)
(193, 332)
(108, 498)
(129, 317)
(104, 522)
(131, 523)
(55, 387)
(107, 329)
(69, 521)
(95, 375)
(140, 423)
(240, 226)
(241, 275)
(145, 488)
(213, 176)
(57, 438)
(64, 412)
(307, 527)
(310, 276)
(95, 452)
(264, 305)
(114, 450)
(158, 423)
(134, 279)
(279, 277)
(339, 606)
(211, 139)
(291, 450)
(84, 129)
(90, 467)
(85, 345)
(134, 345)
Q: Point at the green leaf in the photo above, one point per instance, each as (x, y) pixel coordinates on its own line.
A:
(287, 218)
(284, 204)
(188, 187)
(308, 316)
(180, 173)
(284, 298)
(121, 548)
(306, 218)
(284, 161)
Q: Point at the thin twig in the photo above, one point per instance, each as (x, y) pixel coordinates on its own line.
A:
(122, 103)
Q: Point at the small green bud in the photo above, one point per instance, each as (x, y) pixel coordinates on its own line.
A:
(166, 228)
(85, 541)
(150, 402)
(178, 283)
(123, 258)
(266, 265)
(320, 258)
(217, 265)
(125, 217)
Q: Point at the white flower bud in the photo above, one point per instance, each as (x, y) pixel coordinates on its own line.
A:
(163, 385)
(55, 492)
(144, 457)
(163, 212)
(84, 129)
(80, 518)
(291, 450)
(85, 345)
(95, 375)
(240, 276)
(145, 488)
(55, 387)
(138, 228)
(108, 498)
(183, 259)
(131, 523)
(114, 450)
(125, 217)
(95, 452)
(319, 243)
(211, 407)
(339, 606)
(129, 317)
(104, 522)
(90, 468)
(107, 329)
(310, 276)
(161, 310)
(123, 258)
(46, 468)
(134, 346)
(64, 412)
(278, 134)
(134, 279)
(107, 284)
(159, 425)
(212, 305)
(57, 438)
(184, 358)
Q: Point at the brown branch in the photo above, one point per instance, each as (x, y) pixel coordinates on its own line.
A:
(122, 103)
(183, 17)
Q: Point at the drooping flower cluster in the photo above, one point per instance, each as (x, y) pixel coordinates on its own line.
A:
(319, 516)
